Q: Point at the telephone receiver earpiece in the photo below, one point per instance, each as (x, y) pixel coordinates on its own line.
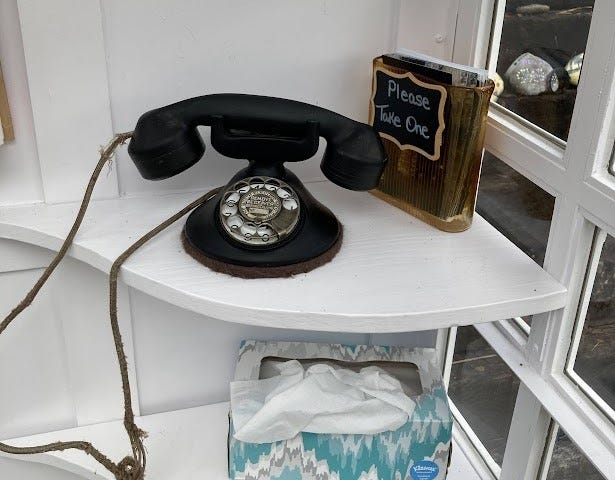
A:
(264, 222)
(262, 129)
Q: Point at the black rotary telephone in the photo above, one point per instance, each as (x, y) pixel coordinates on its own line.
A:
(264, 218)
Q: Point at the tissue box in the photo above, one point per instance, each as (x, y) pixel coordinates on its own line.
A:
(419, 450)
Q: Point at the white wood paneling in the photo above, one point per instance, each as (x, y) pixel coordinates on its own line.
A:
(21, 256)
(184, 359)
(67, 78)
(16, 469)
(20, 179)
(163, 51)
(34, 383)
(158, 52)
(428, 27)
(81, 299)
(393, 274)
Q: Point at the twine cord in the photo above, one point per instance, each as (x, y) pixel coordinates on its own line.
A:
(130, 467)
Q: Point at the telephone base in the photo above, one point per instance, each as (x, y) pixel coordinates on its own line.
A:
(283, 271)
(312, 235)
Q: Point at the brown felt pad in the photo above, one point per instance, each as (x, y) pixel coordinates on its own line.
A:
(263, 272)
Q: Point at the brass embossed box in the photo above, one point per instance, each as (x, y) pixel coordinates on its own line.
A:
(438, 189)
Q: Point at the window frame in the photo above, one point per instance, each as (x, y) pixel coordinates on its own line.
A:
(600, 237)
(577, 173)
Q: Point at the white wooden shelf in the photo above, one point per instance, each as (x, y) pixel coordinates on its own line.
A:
(182, 445)
(393, 273)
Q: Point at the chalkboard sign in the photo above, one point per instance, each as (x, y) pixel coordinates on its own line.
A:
(408, 111)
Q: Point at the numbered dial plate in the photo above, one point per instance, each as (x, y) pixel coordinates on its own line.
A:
(259, 211)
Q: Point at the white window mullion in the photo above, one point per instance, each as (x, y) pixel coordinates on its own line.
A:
(590, 126)
(600, 188)
(597, 207)
(527, 438)
(471, 45)
(568, 251)
(480, 458)
(493, 49)
(581, 420)
(571, 235)
(547, 454)
(560, 249)
(587, 414)
(445, 344)
(592, 120)
(604, 407)
(525, 150)
(588, 284)
(516, 330)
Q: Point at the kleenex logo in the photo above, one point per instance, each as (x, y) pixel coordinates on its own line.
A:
(425, 470)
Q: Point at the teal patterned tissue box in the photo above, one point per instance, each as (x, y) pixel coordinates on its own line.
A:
(418, 450)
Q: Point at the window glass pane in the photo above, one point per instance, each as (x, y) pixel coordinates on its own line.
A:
(596, 355)
(514, 205)
(568, 463)
(484, 390)
(539, 59)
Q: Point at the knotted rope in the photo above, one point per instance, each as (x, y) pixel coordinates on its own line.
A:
(130, 467)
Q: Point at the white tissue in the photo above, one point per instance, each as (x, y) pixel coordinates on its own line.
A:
(322, 399)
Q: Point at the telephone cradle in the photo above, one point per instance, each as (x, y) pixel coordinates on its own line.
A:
(263, 222)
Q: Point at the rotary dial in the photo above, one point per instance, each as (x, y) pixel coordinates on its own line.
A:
(259, 211)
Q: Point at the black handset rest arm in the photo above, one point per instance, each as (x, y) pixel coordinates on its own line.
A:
(166, 141)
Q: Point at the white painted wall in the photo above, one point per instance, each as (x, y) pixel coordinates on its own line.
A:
(20, 178)
(34, 376)
(18, 469)
(67, 79)
(184, 359)
(81, 300)
(127, 57)
(428, 26)
(163, 51)
(90, 67)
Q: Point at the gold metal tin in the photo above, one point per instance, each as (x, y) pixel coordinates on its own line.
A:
(440, 192)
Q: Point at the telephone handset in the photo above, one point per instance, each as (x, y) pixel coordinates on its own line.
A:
(264, 222)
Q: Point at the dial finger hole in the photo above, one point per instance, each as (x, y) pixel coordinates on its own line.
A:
(227, 210)
(282, 193)
(257, 182)
(232, 199)
(241, 186)
(272, 184)
(265, 230)
(248, 229)
(290, 204)
(234, 222)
